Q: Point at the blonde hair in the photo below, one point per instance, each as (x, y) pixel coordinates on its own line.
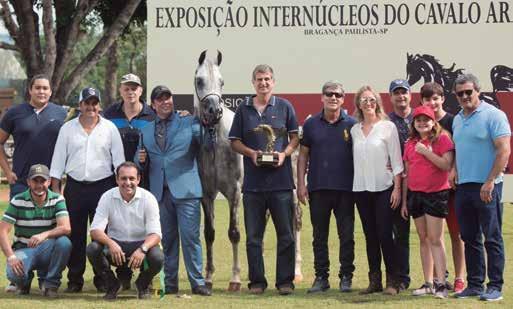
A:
(380, 111)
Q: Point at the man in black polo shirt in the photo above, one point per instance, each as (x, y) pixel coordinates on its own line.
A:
(401, 116)
(327, 150)
(267, 187)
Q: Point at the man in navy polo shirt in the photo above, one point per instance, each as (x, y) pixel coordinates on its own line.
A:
(267, 187)
(482, 140)
(131, 114)
(326, 149)
(34, 126)
(401, 116)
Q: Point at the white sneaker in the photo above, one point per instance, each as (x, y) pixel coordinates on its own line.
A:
(425, 289)
(441, 291)
(11, 288)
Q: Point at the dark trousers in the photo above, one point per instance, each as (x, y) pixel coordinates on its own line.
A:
(281, 206)
(377, 217)
(341, 203)
(81, 201)
(401, 233)
(99, 256)
(477, 219)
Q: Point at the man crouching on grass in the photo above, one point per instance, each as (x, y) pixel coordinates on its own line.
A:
(41, 223)
(134, 233)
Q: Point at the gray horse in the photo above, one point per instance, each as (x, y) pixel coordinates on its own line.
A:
(221, 170)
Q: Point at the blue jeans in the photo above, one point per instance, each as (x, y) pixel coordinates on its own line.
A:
(16, 188)
(180, 221)
(476, 218)
(280, 205)
(49, 259)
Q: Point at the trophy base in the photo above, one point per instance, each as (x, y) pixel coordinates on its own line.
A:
(267, 159)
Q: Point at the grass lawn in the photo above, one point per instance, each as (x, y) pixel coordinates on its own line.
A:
(223, 299)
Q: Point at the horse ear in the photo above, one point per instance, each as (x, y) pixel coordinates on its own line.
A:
(202, 57)
(219, 57)
(409, 56)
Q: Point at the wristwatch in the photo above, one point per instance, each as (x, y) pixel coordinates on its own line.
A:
(144, 249)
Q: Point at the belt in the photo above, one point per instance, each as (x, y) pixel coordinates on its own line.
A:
(86, 182)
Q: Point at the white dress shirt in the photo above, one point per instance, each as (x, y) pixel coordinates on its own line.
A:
(373, 153)
(128, 221)
(87, 157)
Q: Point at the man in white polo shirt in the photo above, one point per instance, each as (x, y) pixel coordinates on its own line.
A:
(132, 214)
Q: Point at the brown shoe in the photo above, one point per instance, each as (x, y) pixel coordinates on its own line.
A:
(375, 284)
(285, 290)
(392, 286)
(256, 290)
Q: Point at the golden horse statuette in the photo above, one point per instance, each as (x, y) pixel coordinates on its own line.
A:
(269, 157)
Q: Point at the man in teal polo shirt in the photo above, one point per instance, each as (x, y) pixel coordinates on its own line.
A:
(41, 223)
(482, 139)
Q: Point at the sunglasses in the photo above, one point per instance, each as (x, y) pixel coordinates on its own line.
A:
(337, 95)
(468, 92)
(368, 100)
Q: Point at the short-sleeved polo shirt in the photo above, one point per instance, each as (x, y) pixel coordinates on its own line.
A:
(280, 115)
(403, 127)
(34, 135)
(330, 165)
(29, 219)
(129, 130)
(474, 137)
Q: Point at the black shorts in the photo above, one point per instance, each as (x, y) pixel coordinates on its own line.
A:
(433, 204)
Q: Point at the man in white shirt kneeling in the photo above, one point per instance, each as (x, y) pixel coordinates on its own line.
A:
(132, 239)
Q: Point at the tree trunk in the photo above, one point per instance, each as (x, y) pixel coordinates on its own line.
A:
(109, 97)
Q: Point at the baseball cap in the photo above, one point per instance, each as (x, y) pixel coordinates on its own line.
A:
(424, 110)
(39, 170)
(399, 83)
(160, 90)
(131, 78)
(87, 93)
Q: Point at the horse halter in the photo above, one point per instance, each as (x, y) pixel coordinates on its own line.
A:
(218, 113)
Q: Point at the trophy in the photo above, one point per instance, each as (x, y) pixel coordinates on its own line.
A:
(268, 157)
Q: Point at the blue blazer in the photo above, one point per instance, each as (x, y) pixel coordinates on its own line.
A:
(176, 165)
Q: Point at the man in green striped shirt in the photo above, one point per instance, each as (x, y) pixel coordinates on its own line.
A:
(41, 223)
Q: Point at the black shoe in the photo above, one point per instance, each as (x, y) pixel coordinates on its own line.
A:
(23, 290)
(345, 284)
(50, 293)
(126, 284)
(142, 292)
(319, 285)
(73, 288)
(201, 290)
(112, 290)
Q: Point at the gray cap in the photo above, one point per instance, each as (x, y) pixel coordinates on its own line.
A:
(131, 78)
(39, 170)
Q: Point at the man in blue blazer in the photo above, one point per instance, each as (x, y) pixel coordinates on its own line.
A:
(171, 146)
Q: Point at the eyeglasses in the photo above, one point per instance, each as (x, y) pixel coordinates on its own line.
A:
(337, 95)
(468, 92)
(368, 100)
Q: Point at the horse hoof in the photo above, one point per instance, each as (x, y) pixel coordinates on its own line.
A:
(298, 278)
(234, 287)
(208, 285)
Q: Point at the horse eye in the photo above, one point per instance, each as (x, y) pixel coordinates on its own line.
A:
(222, 83)
(199, 82)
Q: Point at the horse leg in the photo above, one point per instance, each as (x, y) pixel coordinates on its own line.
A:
(298, 221)
(209, 232)
(234, 236)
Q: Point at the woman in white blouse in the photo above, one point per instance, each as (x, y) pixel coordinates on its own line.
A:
(378, 168)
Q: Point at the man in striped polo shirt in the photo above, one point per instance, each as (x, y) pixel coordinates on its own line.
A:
(41, 223)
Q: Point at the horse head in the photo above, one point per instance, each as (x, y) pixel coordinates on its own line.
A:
(413, 68)
(208, 86)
